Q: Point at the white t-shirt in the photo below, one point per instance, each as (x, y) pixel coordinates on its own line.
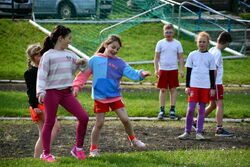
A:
(218, 62)
(200, 63)
(168, 54)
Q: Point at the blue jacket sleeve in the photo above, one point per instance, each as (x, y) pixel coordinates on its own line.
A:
(132, 74)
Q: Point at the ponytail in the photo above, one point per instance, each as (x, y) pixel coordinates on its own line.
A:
(47, 44)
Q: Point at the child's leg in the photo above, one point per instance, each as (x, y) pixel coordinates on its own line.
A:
(95, 134)
(55, 130)
(70, 103)
(173, 94)
(210, 108)
(122, 114)
(219, 112)
(38, 147)
(162, 96)
(189, 116)
(201, 117)
(51, 101)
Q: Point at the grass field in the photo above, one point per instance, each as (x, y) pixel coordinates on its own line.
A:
(191, 158)
(138, 44)
(138, 104)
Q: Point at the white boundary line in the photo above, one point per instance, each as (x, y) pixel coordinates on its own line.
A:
(131, 118)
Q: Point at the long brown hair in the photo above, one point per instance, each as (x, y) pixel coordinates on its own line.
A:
(31, 51)
(50, 41)
(112, 38)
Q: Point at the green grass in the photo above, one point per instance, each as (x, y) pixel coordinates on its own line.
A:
(137, 104)
(138, 44)
(190, 158)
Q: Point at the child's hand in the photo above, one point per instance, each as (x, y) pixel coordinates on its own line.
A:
(81, 61)
(182, 73)
(212, 92)
(75, 92)
(145, 73)
(157, 74)
(38, 111)
(41, 98)
(187, 90)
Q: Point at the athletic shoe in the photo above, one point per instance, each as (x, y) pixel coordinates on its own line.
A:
(161, 115)
(94, 153)
(222, 132)
(137, 143)
(184, 136)
(79, 154)
(194, 126)
(172, 114)
(47, 158)
(199, 136)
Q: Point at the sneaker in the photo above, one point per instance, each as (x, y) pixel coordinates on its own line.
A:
(161, 115)
(137, 143)
(172, 114)
(48, 158)
(94, 153)
(184, 136)
(222, 132)
(79, 154)
(199, 136)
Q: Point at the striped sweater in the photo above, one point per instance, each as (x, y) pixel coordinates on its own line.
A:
(56, 70)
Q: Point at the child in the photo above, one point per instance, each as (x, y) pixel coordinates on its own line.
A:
(167, 53)
(54, 82)
(107, 70)
(217, 101)
(200, 84)
(36, 109)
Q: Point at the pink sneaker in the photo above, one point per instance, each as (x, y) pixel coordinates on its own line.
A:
(78, 153)
(48, 158)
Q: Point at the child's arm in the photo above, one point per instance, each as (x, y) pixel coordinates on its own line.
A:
(156, 64)
(42, 78)
(31, 89)
(188, 76)
(82, 63)
(181, 59)
(80, 80)
(136, 75)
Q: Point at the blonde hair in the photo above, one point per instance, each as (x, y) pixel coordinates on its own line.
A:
(31, 51)
(168, 26)
(112, 38)
(203, 34)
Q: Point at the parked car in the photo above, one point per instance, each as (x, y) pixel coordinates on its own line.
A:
(71, 8)
(16, 6)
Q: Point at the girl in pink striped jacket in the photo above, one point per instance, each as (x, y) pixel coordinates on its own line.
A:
(54, 81)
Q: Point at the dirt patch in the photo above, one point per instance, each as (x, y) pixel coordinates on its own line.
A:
(17, 138)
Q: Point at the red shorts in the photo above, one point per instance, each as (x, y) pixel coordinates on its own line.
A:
(219, 92)
(199, 95)
(34, 116)
(104, 107)
(168, 79)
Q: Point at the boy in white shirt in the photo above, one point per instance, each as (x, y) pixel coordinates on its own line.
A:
(167, 53)
(217, 101)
